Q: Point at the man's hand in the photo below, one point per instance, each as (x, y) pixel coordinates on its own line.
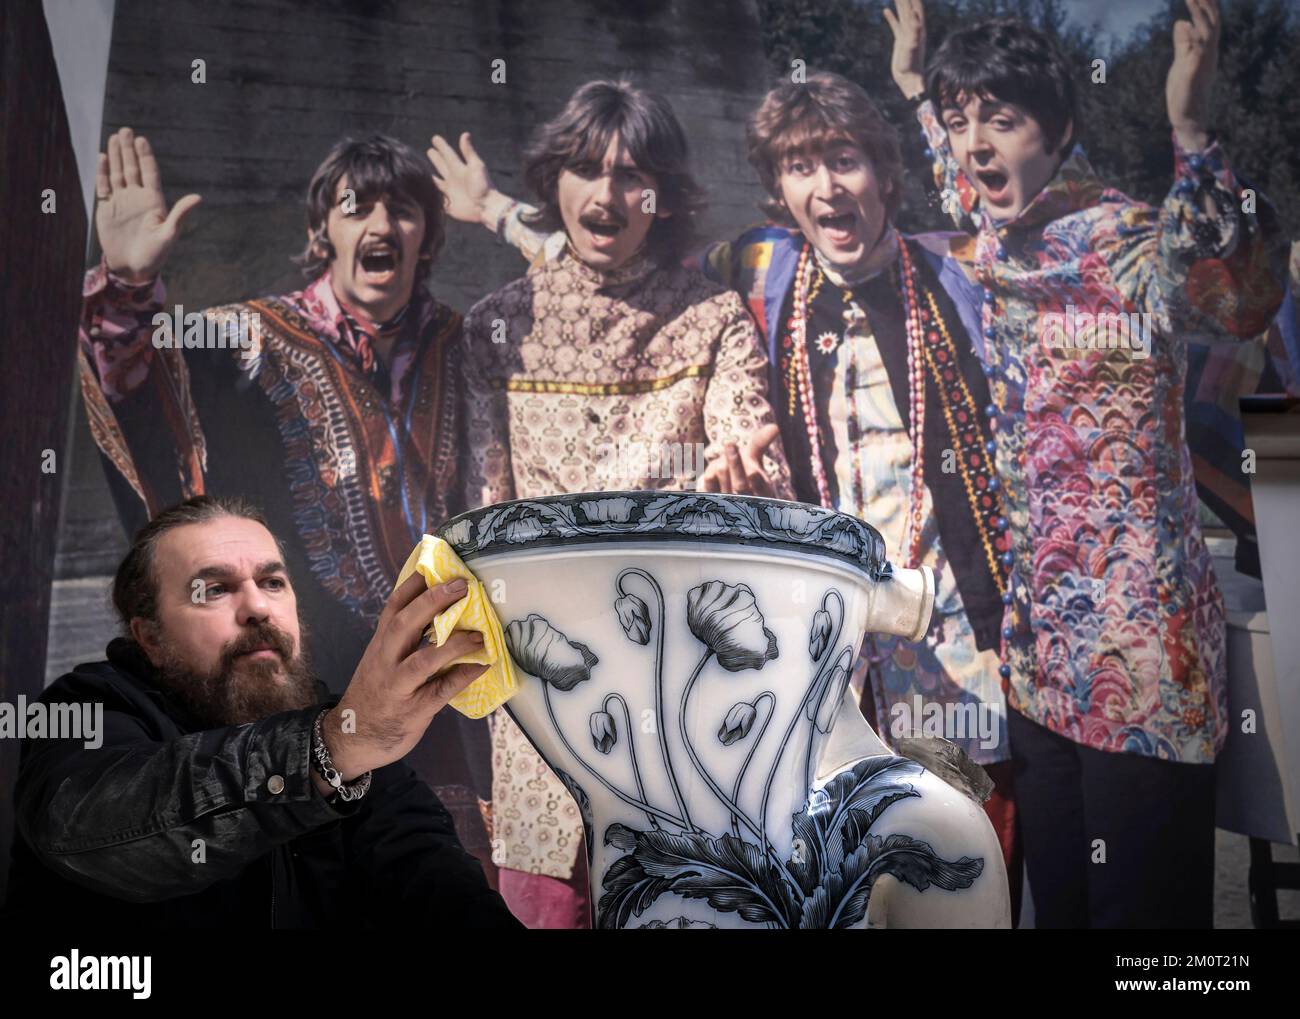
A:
(908, 62)
(399, 686)
(463, 178)
(740, 472)
(1191, 77)
(135, 229)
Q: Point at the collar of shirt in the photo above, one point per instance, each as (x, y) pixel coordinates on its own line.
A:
(634, 269)
(355, 339)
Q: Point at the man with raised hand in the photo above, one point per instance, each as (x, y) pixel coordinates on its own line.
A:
(332, 407)
(1114, 638)
(229, 788)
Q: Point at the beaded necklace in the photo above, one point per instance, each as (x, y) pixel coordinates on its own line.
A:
(916, 400)
(801, 378)
(802, 372)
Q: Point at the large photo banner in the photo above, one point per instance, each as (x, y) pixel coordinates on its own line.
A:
(775, 463)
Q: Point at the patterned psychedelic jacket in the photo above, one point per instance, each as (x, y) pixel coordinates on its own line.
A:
(350, 460)
(1115, 636)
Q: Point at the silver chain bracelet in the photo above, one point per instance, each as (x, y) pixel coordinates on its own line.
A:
(346, 791)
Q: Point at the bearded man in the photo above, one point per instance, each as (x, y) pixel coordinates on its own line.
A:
(228, 788)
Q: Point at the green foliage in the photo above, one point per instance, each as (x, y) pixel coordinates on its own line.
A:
(1124, 127)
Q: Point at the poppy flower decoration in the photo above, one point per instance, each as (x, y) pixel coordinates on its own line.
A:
(739, 720)
(543, 651)
(634, 617)
(524, 529)
(604, 733)
(727, 862)
(725, 618)
(820, 635)
(832, 698)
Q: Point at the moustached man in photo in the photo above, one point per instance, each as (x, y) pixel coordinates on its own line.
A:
(1114, 641)
(612, 345)
(332, 407)
(231, 789)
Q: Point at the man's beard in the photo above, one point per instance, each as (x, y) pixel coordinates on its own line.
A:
(243, 690)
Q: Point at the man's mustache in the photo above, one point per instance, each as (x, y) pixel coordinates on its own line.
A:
(605, 216)
(264, 635)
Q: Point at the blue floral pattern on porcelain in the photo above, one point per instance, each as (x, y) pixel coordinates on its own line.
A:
(689, 694)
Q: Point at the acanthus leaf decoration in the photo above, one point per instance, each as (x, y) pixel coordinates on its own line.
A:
(729, 873)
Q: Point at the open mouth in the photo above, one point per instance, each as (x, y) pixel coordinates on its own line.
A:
(995, 184)
(839, 227)
(603, 229)
(379, 263)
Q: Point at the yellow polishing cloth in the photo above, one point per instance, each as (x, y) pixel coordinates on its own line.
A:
(438, 563)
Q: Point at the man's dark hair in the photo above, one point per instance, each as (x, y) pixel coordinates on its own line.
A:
(1007, 60)
(579, 136)
(810, 117)
(135, 586)
(375, 167)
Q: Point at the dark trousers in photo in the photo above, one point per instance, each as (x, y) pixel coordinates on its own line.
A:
(1154, 864)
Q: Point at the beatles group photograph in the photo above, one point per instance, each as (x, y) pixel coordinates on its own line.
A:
(756, 464)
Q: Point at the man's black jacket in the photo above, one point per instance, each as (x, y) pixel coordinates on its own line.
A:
(166, 825)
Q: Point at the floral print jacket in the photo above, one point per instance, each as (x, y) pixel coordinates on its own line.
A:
(1115, 634)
